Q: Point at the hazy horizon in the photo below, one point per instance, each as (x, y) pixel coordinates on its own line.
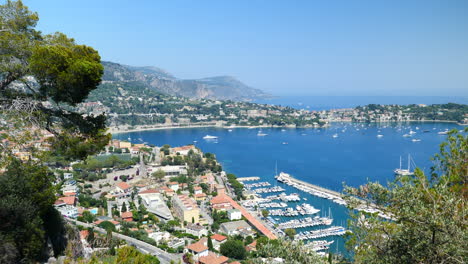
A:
(396, 48)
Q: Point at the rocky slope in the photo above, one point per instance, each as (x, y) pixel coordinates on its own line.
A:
(221, 87)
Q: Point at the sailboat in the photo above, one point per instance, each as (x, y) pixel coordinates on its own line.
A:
(404, 172)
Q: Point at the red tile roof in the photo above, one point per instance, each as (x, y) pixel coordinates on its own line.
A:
(220, 199)
(218, 237)
(257, 224)
(69, 200)
(198, 246)
(149, 191)
(212, 258)
(126, 215)
(123, 185)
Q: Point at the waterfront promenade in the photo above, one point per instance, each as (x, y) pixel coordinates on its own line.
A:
(253, 221)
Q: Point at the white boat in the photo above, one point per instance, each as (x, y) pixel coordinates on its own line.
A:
(210, 137)
(285, 143)
(261, 134)
(335, 135)
(443, 132)
(404, 172)
(379, 135)
(412, 132)
(415, 140)
(230, 130)
(406, 135)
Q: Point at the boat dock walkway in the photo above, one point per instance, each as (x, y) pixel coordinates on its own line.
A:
(315, 187)
(243, 179)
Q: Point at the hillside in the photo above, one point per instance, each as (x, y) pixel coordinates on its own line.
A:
(218, 88)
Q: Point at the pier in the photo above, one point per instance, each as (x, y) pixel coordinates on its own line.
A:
(243, 179)
(327, 193)
(287, 177)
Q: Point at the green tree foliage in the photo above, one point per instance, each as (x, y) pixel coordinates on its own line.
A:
(429, 213)
(236, 185)
(42, 79)
(108, 226)
(290, 232)
(158, 175)
(210, 243)
(91, 238)
(26, 196)
(290, 251)
(124, 208)
(233, 249)
(87, 217)
(265, 213)
(63, 75)
(129, 255)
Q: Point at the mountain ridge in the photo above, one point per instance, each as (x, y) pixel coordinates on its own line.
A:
(217, 87)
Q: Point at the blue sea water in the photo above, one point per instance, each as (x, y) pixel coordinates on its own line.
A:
(313, 155)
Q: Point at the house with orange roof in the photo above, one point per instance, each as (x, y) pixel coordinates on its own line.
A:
(127, 216)
(167, 191)
(68, 200)
(217, 240)
(252, 246)
(148, 191)
(221, 203)
(198, 249)
(197, 190)
(213, 258)
(173, 185)
(69, 193)
(184, 150)
(200, 196)
(122, 187)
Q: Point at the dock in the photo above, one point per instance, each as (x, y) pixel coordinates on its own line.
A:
(243, 179)
(312, 186)
(334, 196)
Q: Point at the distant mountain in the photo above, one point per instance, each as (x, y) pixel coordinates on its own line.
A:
(220, 87)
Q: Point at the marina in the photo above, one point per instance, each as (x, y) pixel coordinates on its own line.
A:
(325, 193)
(304, 209)
(331, 231)
(330, 162)
(256, 185)
(269, 190)
(319, 245)
(306, 222)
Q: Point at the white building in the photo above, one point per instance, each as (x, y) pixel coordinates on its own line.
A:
(234, 214)
(160, 236)
(68, 211)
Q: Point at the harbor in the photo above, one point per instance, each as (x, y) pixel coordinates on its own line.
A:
(331, 231)
(306, 222)
(304, 209)
(333, 196)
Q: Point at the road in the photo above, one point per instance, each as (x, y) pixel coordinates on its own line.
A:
(142, 168)
(204, 213)
(144, 247)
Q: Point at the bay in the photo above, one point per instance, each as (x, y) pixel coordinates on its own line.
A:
(313, 155)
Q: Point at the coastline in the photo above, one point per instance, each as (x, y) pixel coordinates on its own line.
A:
(140, 128)
(117, 130)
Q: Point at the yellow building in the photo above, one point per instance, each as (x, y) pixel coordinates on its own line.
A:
(186, 209)
(124, 144)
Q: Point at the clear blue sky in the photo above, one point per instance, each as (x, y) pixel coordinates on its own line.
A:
(300, 47)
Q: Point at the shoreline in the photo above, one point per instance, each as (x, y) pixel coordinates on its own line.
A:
(117, 130)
